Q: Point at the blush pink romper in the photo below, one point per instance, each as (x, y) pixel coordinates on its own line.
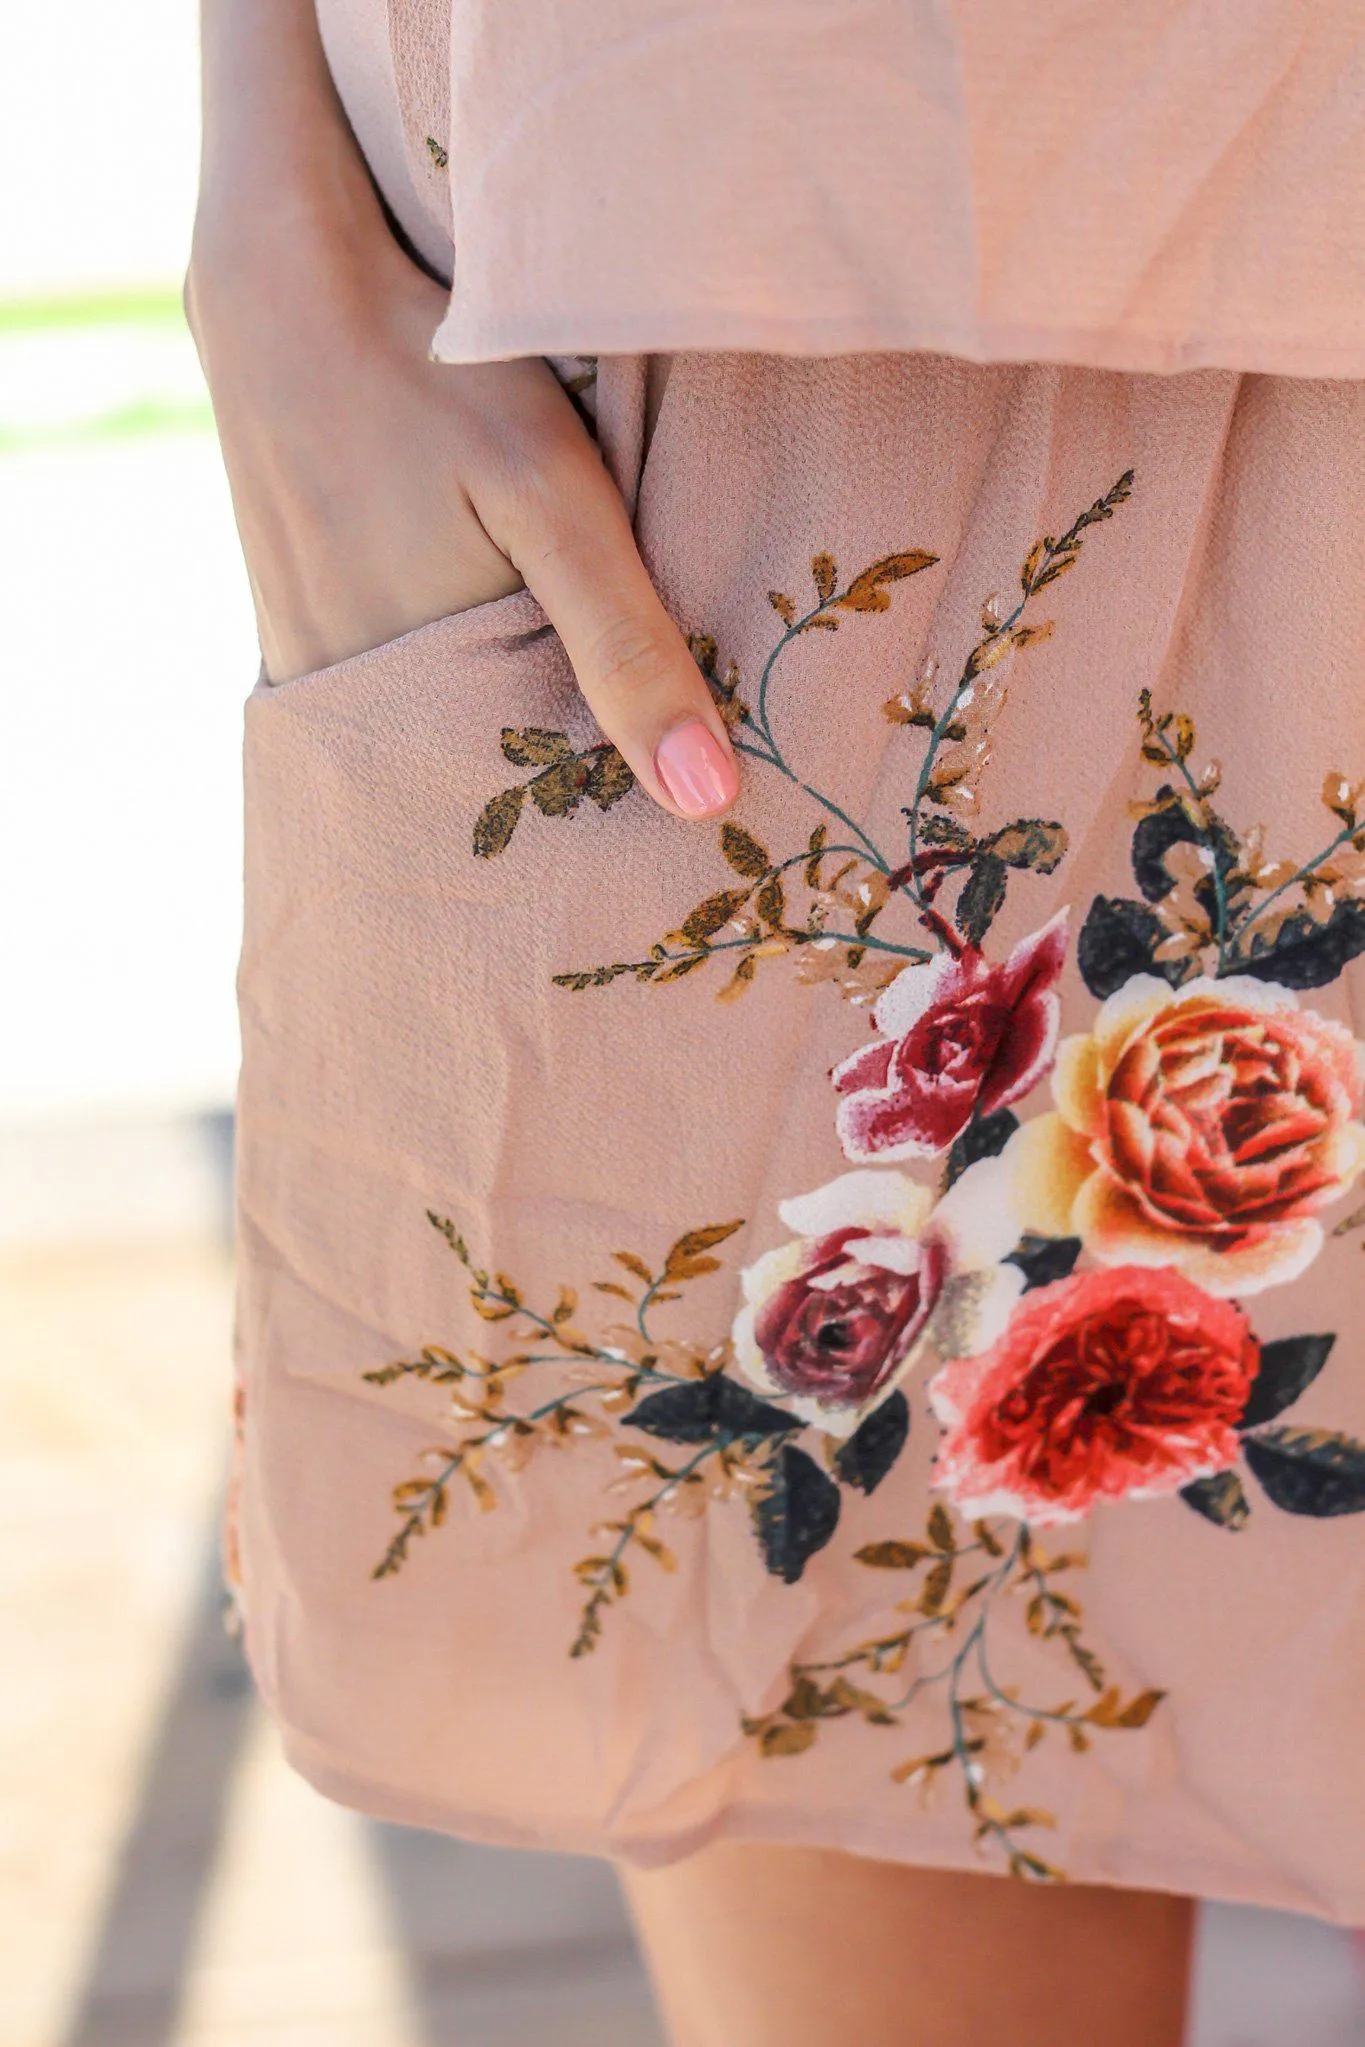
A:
(844, 1327)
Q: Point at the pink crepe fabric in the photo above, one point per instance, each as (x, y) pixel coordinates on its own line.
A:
(1154, 186)
(406, 1049)
(1120, 190)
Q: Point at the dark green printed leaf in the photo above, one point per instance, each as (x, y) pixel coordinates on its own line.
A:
(984, 1138)
(705, 1408)
(1119, 939)
(1044, 1259)
(1309, 1471)
(1288, 1368)
(797, 1515)
(532, 746)
(982, 897)
(1153, 838)
(1221, 1499)
(869, 1453)
(1305, 954)
(1156, 834)
(496, 822)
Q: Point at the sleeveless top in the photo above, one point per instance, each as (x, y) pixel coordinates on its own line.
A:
(1148, 187)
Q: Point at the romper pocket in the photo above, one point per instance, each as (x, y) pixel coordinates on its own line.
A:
(504, 622)
(372, 1006)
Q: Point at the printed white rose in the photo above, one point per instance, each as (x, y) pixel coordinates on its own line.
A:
(877, 1277)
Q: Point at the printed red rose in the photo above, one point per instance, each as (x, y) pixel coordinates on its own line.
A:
(1124, 1384)
(960, 1037)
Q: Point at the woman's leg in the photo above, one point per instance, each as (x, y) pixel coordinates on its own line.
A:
(792, 1947)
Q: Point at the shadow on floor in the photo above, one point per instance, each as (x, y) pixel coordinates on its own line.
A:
(132, 1992)
(501, 1948)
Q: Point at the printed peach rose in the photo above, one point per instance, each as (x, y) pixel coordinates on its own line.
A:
(876, 1277)
(1115, 1385)
(1202, 1127)
(960, 1037)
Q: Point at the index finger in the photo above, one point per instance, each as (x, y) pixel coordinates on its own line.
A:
(572, 543)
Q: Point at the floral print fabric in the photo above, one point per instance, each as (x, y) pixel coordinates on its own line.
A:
(1007, 1327)
(1201, 1125)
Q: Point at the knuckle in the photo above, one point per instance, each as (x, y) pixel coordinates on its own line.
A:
(628, 657)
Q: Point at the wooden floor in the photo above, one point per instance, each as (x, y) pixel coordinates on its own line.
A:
(164, 1881)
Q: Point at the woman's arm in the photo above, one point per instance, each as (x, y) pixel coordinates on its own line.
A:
(374, 489)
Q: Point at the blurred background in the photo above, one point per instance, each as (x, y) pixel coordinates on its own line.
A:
(164, 1882)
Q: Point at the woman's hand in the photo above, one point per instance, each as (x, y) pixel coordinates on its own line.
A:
(376, 490)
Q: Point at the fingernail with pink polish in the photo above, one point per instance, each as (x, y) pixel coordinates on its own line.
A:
(697, 772)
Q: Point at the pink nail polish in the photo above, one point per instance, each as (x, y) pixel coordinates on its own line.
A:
(696, 770)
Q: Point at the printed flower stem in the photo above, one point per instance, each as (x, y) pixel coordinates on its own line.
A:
(866, 846)
(870, 1653)
(793, 632)
(914, 953)
(1239, 931)
(990, 1823)
(759, 721)
(1045, 563)
(415, 1523)
(1177, 760)
(606, 1583)
(654, 1373)
(970, 673)
(1021, 1706)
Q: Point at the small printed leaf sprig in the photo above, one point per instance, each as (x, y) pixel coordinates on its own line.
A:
(751, 922)
(821, 903)
(1196, 1132)
(962, 1576)
(703, 1435)
(565, 774)
(1215, 901)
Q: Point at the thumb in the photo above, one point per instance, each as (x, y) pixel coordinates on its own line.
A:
(571, 540)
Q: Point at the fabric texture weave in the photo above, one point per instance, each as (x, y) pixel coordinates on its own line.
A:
(1150, 187)
(841, 1328)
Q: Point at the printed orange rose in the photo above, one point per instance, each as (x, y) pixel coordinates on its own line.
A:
(1107, 1386)
(1203, 1127)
